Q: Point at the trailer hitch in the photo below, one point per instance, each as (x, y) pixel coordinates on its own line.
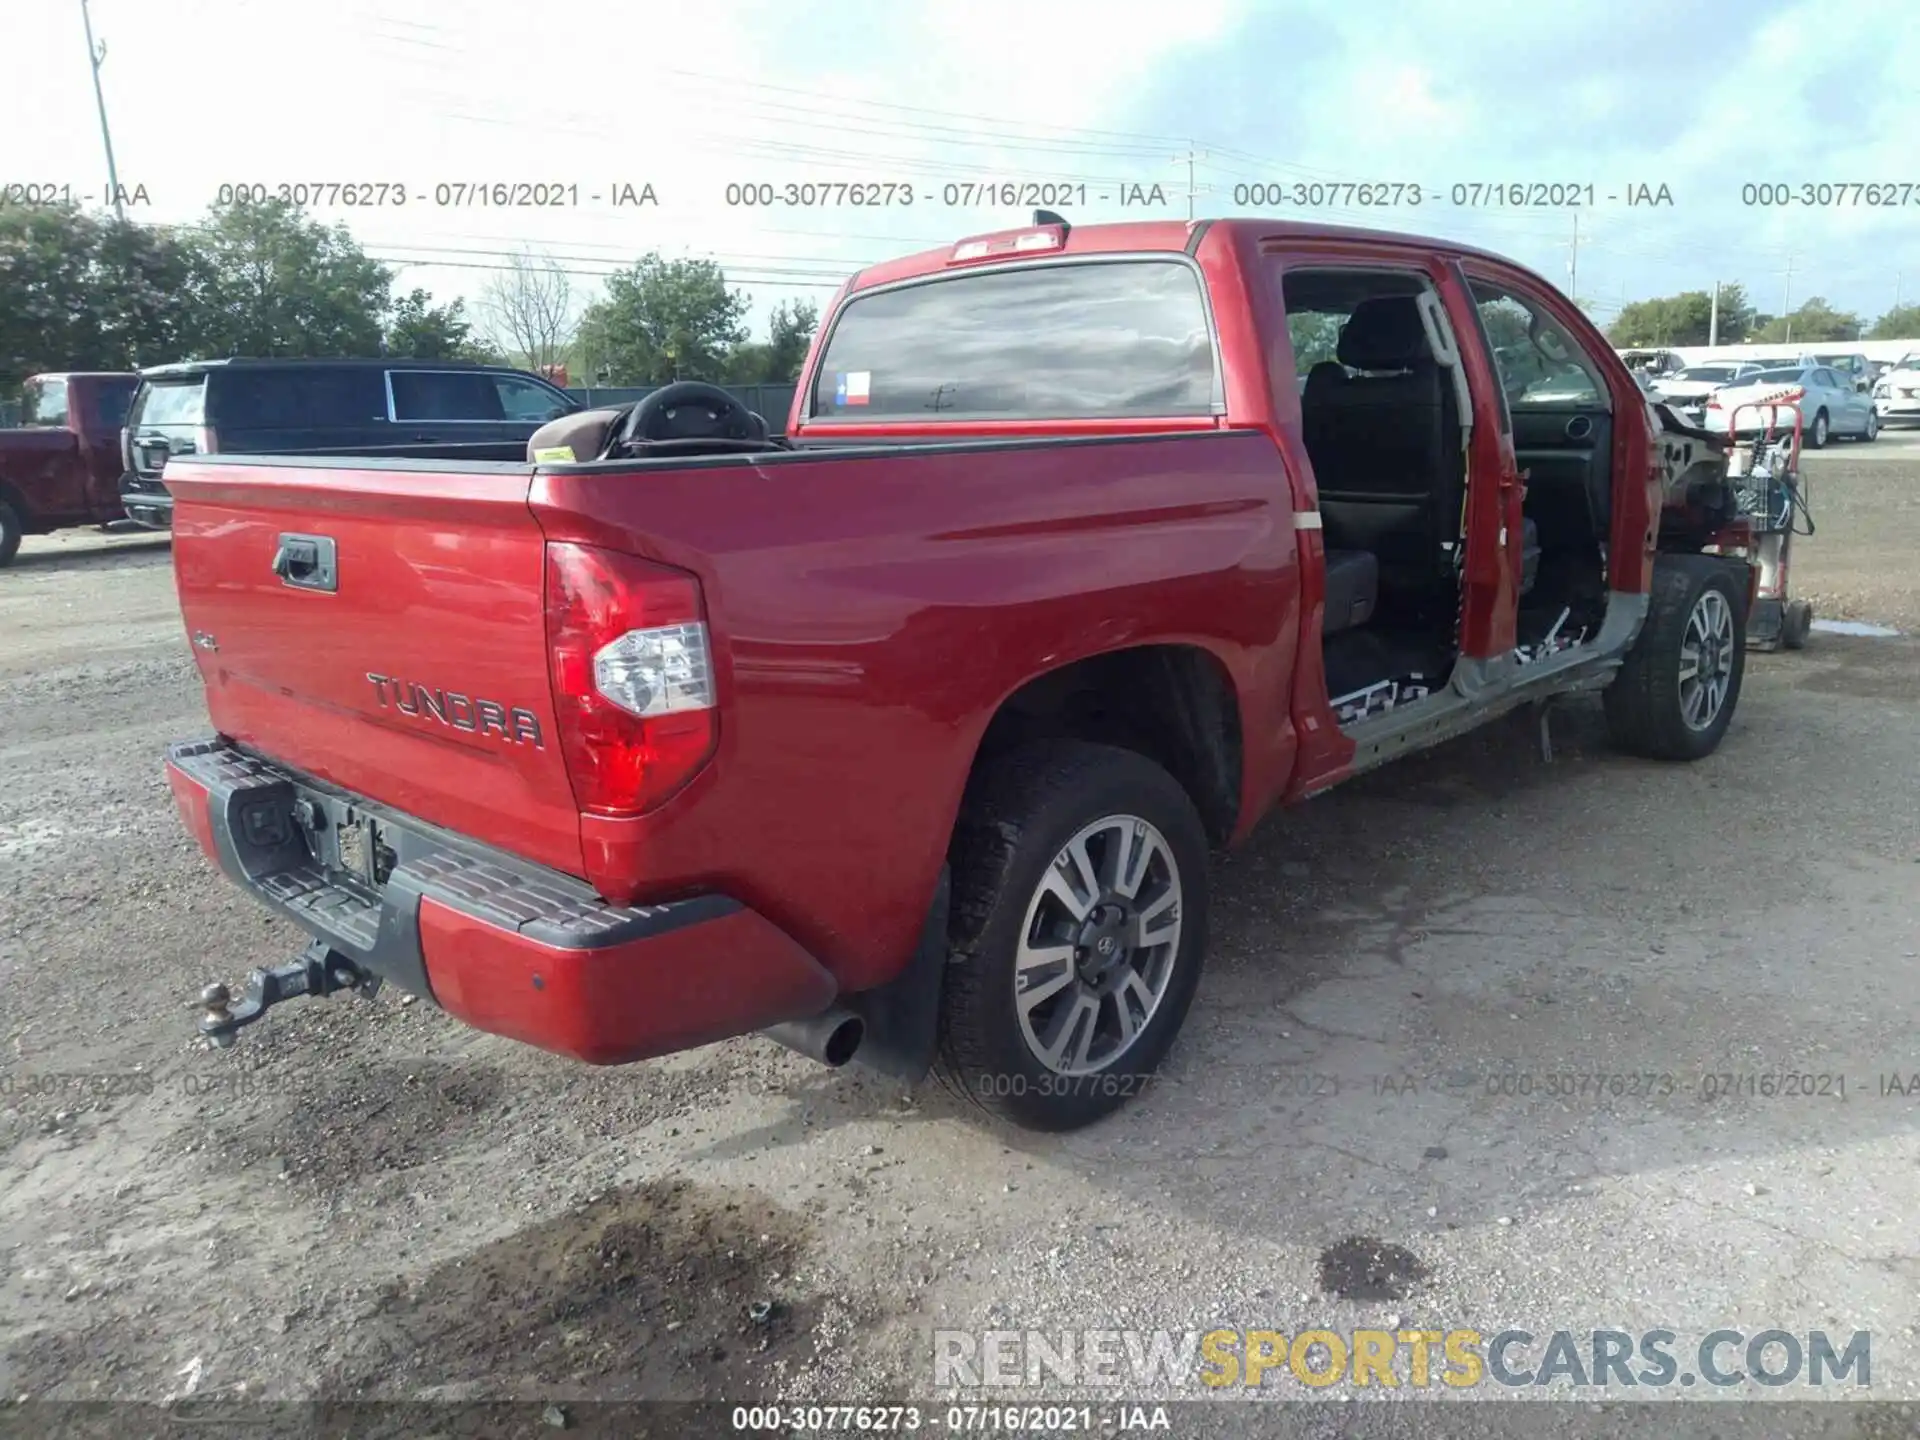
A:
(319, 970)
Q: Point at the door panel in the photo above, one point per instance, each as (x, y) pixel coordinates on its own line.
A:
(1566, 459)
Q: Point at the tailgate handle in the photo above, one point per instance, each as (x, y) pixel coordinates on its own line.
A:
(306, 562)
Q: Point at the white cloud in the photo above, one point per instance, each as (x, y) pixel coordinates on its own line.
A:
(210, 92)
(203, 92)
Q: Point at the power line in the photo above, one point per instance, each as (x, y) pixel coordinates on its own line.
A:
(776, 282)
(539, 251)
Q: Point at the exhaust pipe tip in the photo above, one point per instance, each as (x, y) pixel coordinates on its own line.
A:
(842, 1041)
(832, 1038)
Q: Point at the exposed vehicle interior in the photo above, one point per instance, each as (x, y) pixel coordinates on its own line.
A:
(1381, 418)
(1562, 416)
(1383, 399)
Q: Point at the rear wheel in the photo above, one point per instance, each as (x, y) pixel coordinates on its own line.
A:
(1675, 695)
(10, 532)
(1079, 930)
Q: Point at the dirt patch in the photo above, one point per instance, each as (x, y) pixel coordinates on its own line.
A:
(1858, 666)
(377, 1119)
(663, 1291)
(1363, 1268)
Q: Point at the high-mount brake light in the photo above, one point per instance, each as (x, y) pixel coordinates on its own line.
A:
(1014, 242)
(632, 673)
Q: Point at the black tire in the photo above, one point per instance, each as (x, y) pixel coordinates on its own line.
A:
(1645, 705)
(1819, 432)
(1872, 432)
(10, 533)
(1019, 816)
(1796, 624)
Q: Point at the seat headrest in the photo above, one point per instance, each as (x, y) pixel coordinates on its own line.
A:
(1384, 333)
(584, 433)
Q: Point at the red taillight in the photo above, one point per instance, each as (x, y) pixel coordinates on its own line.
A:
(632, 677)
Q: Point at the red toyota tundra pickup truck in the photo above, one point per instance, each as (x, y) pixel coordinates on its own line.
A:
(62, 467)
(906, 738)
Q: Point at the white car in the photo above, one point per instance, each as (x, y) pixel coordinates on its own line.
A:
(1688, 390)
(1896, 394)
(1829, 404)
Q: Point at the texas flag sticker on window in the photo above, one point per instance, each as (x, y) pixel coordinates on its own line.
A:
(852, 387)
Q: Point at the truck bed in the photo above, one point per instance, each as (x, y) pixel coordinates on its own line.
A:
(868, 610)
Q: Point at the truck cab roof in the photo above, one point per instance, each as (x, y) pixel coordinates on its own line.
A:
(1146, 236)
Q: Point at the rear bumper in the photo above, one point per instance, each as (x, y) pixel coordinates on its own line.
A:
(508, 947)
(146, 501)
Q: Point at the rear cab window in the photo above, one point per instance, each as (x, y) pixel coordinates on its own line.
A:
(1065, 339)
(44, 403)
(110, 401)
(170, 401)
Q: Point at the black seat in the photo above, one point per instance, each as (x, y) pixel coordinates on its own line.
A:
(1353, 587)
(1384, 444)
(1529, 555)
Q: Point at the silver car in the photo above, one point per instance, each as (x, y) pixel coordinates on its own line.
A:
(1848, 365)
(1829, 404)
(1688, 390)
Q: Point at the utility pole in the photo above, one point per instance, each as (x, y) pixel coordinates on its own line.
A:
(1786, 301)
(1192, 157)
(1713, 318)
(1573, 262)
(95, 54)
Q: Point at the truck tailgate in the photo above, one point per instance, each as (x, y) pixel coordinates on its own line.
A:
(415, 673)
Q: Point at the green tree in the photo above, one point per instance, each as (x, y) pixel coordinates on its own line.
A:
(664, 320)
(778, 359)
(81, 291)
(420, 330)
(1683, 319)
(1814, 321)
(282, 284)
(1315, 335)
(1900, 323)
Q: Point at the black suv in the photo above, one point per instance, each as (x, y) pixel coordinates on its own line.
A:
(426, 409)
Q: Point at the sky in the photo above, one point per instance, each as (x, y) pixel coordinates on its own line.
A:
(1202, 98)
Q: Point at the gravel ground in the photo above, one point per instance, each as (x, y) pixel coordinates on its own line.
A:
(364, 1199)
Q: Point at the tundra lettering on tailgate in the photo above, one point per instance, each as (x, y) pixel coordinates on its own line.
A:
(511, 723)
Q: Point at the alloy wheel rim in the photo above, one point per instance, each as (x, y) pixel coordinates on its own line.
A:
(1098, 945)
(1706, 660)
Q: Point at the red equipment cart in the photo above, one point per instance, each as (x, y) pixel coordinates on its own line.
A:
(1765, 472)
